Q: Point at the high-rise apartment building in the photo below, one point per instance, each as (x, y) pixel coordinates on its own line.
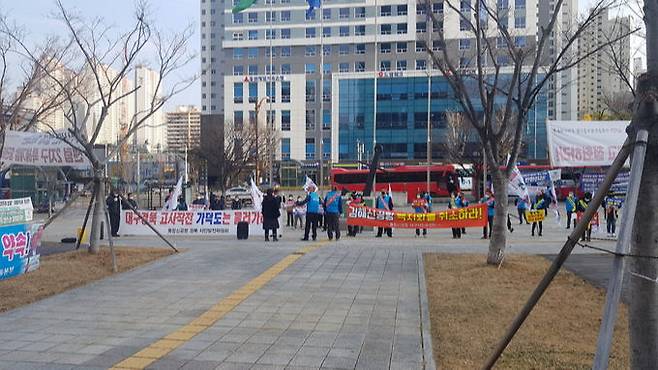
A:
(320, 69)
(605, 75)
(183, 128)
(153, 131)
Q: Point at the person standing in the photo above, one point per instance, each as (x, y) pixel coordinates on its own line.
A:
(581, 207)
(271, 213)
(333, 208)
(521, 207)
(312, 203)
(570, 208)
(113, 203)
(182, 205)
(453, 204)
(127, 203)
(461, 202)
(611, 215)
(357, 201)
(420, 206)
(290, 207)
(490, 201)
(384, 202)
(539, 204)
(299, 213)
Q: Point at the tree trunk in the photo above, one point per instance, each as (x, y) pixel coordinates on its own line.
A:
(643, 310)
(498, 240)
(97, 217)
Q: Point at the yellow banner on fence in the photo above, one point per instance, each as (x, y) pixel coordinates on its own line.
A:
(535, 215)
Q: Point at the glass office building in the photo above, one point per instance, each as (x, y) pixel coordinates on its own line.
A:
(402, 118)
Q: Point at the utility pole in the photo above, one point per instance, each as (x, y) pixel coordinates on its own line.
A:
(257, 108)
(643, 308)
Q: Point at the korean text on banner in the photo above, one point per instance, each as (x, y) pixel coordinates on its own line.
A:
(39, 149)
(585, 143)
(190, 223)
(20, 249)
(475, 216)
(537, 215)
(14, 211)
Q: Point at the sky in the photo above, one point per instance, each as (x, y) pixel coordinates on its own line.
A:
(35, 17)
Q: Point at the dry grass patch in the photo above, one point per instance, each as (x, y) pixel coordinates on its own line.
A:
(64, 271)
(472, 304)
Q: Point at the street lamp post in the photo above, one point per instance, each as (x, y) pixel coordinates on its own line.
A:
(257, 108)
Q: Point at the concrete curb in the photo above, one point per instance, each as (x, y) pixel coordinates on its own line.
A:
(426, 329)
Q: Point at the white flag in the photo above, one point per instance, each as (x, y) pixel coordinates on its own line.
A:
(308, 183)
(256, 196)
(172, 203)
(516, 185)
(390, 193)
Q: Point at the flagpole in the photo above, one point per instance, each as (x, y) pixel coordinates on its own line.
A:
(270, 94)
(430, 64)
(374, 115)
(320, 121)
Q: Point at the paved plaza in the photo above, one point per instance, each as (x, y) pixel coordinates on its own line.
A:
(354, 304)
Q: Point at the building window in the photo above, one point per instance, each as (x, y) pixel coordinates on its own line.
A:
(285, 33)
(464, 44)
(285, 148)
(285, 16)
(274, 52)
(238, 70)
(285, 51)
(421, 27)
(464, 25)
(520, 41)
(238, 120)
(503, 4)
(237, 92)
(464, 62)
(343, 49)
(359, 66)
(401, 47)
(238, 53)
(502, 60)
(285, 91)
(326, 68)
(326, 119)
(270, 69)
(253, 92)
(286, 69)
(310, 16)
(519, 21)
(359, 30)
(402, 28)
(252, 53)
(309, 51)
(326, 13)
(360, 49)
(310, 119)
(253, 35)
(238, 36)
(437, 7)
(385, 29)
(360, 12)
(238, 18)
(421, 64)
(420, 46)
(326, 90)
(253, 17)
(437, 45)
(519, 4)
(326, 32)
(385, 65)
(401, 65)
(402, 9)
(385, 11)
(310, 148)
(252, 69)
(310, 91)
(326, 148)
(326, 50)
(344, 13)
(385, 48)
(285, 120)
(309, 68)
(343, 67)
(270, 34)
(310, 33)
(344, 31)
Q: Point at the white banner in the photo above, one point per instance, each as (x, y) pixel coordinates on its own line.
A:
(14, 211)
(584, 143)
(191, 223)
(39, 149)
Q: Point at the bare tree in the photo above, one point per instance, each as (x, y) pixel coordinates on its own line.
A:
(497, 82)
(91, 75)
(458, 134)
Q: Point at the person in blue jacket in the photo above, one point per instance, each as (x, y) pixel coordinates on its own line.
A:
(490, 201)
(384, 201)
(312, 202)
(570, 208)
(521, 207)
(333, 208)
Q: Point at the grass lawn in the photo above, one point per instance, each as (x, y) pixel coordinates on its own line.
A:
(64, 271)
(472, 304)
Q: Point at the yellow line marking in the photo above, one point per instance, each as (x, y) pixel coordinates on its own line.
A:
(169, 343)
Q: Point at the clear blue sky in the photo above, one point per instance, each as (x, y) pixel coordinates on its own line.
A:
(35, 16)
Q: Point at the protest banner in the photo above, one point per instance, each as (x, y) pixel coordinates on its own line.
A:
(190, 223)
(590, 182)
(594, 222)
(475, 216)
(39, 149)
(20, 249)
(584, 143)
(14, 211)
(536, 215)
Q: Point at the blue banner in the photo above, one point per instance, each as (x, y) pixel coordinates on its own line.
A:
(19, 249)
(590, 182)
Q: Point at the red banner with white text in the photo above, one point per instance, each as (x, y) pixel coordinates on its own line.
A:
(475, 216)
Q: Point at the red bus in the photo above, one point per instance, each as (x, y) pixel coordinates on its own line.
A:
(408, 179)
(569, 179)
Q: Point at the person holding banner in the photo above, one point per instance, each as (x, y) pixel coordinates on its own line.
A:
(570, 208)
(490, 201)
(539, 204)
(312, 203)
(384, 201)
(271, 213)
(454, 204)
(581, 207)
(420, 206)
(461, 202)
(357, 201)
(333, 206)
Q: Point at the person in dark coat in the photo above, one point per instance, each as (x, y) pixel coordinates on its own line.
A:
(130, 201)
(113, 203)
(271, 213)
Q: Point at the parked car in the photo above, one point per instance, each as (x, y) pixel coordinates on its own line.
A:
(240, 192)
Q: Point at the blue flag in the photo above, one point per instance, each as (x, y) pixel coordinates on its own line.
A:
(312, 5)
